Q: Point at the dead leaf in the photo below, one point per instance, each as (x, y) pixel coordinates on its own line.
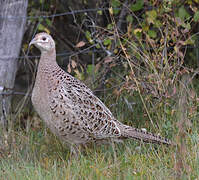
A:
(112, 65)
(137, 30)
(108, 59)
(69, 68)
(73, 64)
(79, 75)
(111, 10)
(80, 44)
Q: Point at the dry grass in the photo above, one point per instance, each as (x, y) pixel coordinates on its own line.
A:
(34, 153)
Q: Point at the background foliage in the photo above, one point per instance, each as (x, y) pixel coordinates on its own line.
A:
(139, 51)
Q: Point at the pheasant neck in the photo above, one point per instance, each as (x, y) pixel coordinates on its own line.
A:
(47, 61)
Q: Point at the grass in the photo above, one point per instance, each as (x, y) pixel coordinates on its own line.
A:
(30, 151)
(34, 153)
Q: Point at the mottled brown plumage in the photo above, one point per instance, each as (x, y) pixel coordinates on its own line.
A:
(70, 109)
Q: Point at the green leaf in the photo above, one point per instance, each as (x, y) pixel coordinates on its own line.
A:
(129, 18)
(90, 68)
(97, 46)
(158, 23)
(109, 26)
(107, 42)
(88, 36)
(115, 3)
(196, 16)
(190, 41)
(145, 26)
(152, 33)
(48, 22)
(99, 12)
(182, 13)
(138, 32)
(137, 6)
(116, 11)
(152, 15)
(186, 26)
(41, 27)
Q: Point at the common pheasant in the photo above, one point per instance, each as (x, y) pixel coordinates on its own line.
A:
(70, 109)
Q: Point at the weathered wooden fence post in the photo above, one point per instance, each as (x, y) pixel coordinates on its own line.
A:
(12, 23)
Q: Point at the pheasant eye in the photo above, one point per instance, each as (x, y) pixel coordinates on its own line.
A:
(43, 38)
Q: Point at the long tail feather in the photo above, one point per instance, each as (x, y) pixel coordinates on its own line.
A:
(133, 133)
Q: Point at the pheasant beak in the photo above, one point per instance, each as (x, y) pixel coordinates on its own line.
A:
(35, 40)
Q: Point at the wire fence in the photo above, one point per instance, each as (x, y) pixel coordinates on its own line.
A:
(64, 53)
(72, 12)
(92, 49)
(8, 92)
(59, 14)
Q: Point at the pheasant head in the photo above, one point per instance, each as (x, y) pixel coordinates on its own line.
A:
(43, 42)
